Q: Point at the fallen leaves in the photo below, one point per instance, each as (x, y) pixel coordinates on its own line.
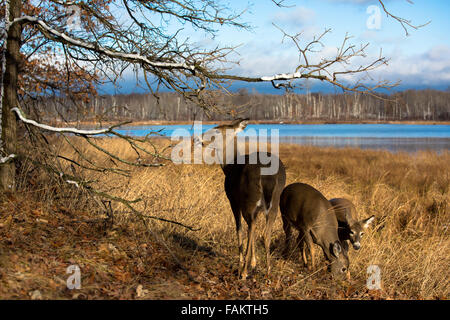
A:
(123, 262)
(6, 222)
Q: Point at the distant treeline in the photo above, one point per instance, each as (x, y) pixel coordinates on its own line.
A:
(406, 105)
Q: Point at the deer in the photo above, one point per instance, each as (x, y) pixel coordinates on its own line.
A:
(307, 210)
(249, 192)
(349, 228)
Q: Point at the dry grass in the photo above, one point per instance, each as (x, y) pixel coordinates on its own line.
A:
(409, 240)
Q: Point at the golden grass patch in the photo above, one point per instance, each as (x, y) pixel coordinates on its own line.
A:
(408, 194)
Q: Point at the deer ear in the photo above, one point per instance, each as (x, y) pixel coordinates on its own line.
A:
(337, 249)
(242, 125)
(348, 216)
(366, 222)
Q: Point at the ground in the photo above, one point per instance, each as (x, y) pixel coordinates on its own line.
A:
(43, 231)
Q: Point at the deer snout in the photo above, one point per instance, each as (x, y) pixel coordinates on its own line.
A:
(356, 245)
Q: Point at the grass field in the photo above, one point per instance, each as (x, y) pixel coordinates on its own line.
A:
(45, 227)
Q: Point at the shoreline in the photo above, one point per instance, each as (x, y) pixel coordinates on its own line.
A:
(311, 122)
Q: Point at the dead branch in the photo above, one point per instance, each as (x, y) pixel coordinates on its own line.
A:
(75, 131)
(403, 22)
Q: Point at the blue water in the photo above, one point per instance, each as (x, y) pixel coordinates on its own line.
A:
(318, 130)
(393, 137)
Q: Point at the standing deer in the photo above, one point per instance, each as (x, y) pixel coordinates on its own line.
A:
(349, 229)
(250, 193)
(306, 209)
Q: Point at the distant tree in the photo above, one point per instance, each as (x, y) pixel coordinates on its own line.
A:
(66, 47)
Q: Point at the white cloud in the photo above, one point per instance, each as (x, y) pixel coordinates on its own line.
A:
(430, 68)
(360, 1)
(298, 17)
(438, 53)
(267, 60)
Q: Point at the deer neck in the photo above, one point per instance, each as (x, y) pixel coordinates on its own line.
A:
(229, 152)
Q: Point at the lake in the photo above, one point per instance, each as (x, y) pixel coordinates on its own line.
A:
(392, 137)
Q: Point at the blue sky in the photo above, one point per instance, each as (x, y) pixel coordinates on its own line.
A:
(420, 60)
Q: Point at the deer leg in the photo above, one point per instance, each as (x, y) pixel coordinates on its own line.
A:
(253, 254)
(302, 246)
(270, 219)
(305, 260)
(240, 234)
(250, 238)
(287, 227)
(308, 242)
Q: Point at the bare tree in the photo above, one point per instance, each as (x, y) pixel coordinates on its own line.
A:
(115, 35)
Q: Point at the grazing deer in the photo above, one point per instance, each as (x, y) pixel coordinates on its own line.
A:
(349, 228)
(306, 209)
(250, 192)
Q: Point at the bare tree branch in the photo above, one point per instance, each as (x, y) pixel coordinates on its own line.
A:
(198, 69)
(23, 118)
(403, 22)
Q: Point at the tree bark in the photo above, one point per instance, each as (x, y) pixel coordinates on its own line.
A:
(9, 101)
